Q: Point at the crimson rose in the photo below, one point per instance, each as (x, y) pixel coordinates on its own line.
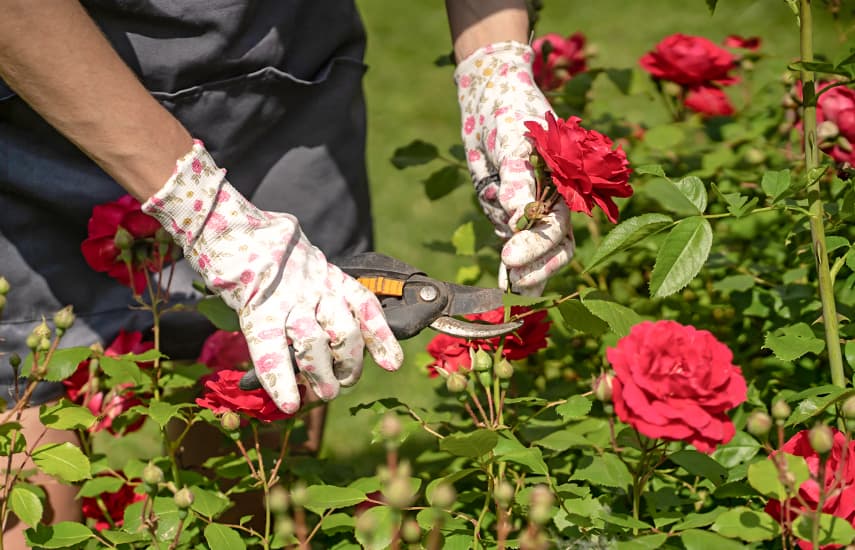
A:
(449, 353)
(708, 100)
(735, 41)
(115, 504)
(100, 250)
(676, 382)
(839, 481)
(585, 167)
(557, 59)
(837, 106)
(222, 393)
(225, 350)
(689, 60)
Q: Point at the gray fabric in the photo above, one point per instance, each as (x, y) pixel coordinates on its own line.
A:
(273, 88)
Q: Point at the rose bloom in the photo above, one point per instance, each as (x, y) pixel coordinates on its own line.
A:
(839, 481)
(709, 101)
(222, 393)
(689, 60)
(557, 59)
(82, 389)
(676, 382)
(115, 503)
(735, 41)
(449, 353)
(100, 251)
(837, 106)
(586, 169)
(225, 350)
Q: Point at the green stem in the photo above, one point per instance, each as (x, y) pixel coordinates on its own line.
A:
(817, 228)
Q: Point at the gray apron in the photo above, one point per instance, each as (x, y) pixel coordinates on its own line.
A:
(272, 87)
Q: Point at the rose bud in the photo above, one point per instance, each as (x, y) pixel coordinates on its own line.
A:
(278, 499)
(4, 286)
(781, 410)
(758, 424)
(299, 495)
(230, 421)
(2, 301)
(399, 492)
(64, 318)
(284, 527)
(44, 344)
(123, 239)
(456, 382)
(43, 330)
(848, 408)
(15, 360)
(411, 531)
(443, 495)
(821, 439)
(540, 505)
(671, 88)
(603, 387)
(486, 378)
(481, 361)
(504, 493)
(390, 427)
(503, 369)
(183, 498)
(152, 475)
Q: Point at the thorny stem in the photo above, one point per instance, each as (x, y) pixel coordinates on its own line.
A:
(262, 476)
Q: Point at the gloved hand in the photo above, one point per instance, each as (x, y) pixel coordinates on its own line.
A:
(283, 289)
(497, 95)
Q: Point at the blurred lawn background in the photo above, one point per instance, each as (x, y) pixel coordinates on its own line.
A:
(408, 98)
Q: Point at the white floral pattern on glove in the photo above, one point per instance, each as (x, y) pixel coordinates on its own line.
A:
(283, 289)
(497, 95)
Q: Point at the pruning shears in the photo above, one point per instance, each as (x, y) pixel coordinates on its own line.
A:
(413, 301)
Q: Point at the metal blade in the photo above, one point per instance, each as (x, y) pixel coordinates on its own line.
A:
(467, 329)
(463, 299)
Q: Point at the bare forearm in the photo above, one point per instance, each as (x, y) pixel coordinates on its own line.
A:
(476, 23)
(54, 56)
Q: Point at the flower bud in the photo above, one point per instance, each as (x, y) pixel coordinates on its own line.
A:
(284, 527)
(456, 382)
(43, 330)
(278, 499)
(152, 475)
(123, 239)
(540, 505)
(504, 493)
(299, 495)
(15, 360)
(848, 408)
(411, 531)
(44, 345)
(366, 524)
(758, 424)
(399, 492)
(821, 439)
(781, 410)
(443, 495)
(503, 369)
(2, 302)
(230, 421)
(390, 427)
(64, 318)
(486, 378)
(755, 156)
(481, 361)
(603, 387)
(4, 286)
(32, 341)
(672, 88)
(183, 498)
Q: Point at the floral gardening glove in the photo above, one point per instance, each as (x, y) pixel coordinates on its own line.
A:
(497, 95)
(283, 289)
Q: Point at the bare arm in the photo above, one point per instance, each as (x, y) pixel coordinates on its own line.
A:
(476, 23)
(54, 56)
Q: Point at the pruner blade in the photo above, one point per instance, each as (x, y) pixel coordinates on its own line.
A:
(470, 330)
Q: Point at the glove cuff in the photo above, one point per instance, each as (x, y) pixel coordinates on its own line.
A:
(498, 58)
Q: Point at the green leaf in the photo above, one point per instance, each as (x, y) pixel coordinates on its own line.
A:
(415, 153)
(832, 529)
(681, 256)
(576, 408)
(622, 79)
(562, 440)
(470, 445)
(121, 370)
(222, 537)
(121, 537)
(681, 197)
(738, 205)
(208, 503)
(739, 283)
(383, 520)
(623, 520)
(530, 301)
(327, 497)
(463, 239)
(443, 181)
(711, 5)
(646, 542)
(60, 535)
(791, 342)
(696, 539)
(183, 376)
(694, 520)
(161, 411)
(619, 317)
(763, 476)
(665, 137)
(628, 234)
(222, 316)
(816, 400)
(602, 470)
(746, 524)
(65, 415)
(578, 317)
(693, 189)
(64, 461)
(700, 464)
(100, 484)
(738, 450)
(776, 183)
(650, 169)
(510, 449)
(11, 438)
(26, 504)
(64, 362)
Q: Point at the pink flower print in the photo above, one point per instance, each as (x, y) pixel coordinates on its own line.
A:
(204, 261)
(501, 110)
(217, 222)
(465, 81)
(253, 222)
(156, 201)
(503, 70)
(269, 334)
(527, 57)
(222, 284)
(481, 120)
(268, 362)
(247, 276)
(302, 327)
(197, 205)
(491, 140)
(474, 155)
(490, 193)
(366, 311)
(253, 257)
(469, 125)
(176, 229)
(524, 78)
(196, 166)
(223, 195)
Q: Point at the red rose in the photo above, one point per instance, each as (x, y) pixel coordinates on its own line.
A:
(689, 60)
(735, 41)
(837, 105)
(521, 343)
(449, 353)
(100, 250)
(557, 59)
(839, 481)
(222, 393)
(115, 503)
(586, 169)
(225, 350)
(676, 382)
(708, 100)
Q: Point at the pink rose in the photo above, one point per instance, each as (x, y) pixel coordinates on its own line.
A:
(557, 59)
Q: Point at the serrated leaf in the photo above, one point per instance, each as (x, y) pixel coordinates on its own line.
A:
(208, 503)
(121, 537)
(628, 234)
(673, 198)
(414, 153)
(791, 342)
(694, 520)
(700, 464)
(763, 476)
(738, 283)
(578, 317)
(64, 362)
(832, 529)
(619, 318)
(26, 504)
(681, 256)
(510, 449)
(693, 189)
(468, 274)
(666, 136)
(60, 535)
(651, 169)
(443, 181)
(646, 542)
(223, 537)
(604, 470)
(463, 239)
(696, 539)
(746, 524)
(222, 316)
(812, 405)
(65, 415)
(576, 407)
(101, 484)
(380, 536)
(738, 205)
(623, 520)
(64, 461)
(121, 370)
(160, 411)
(776, 183)
(329, 497)
(470, 445)
(562, 440)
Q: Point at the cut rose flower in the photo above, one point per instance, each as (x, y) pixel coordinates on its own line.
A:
(585, 167)
(115, 504)
(558, 59)
(839, 482)
(690, 61)
(222, 393)
(676, 382)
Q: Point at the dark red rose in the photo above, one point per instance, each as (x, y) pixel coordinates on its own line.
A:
(557, 59)
(225, 350)
(709, 101)
(449, 353)
(100, 250)
(839, 482)
(837, 106)
(115, 503)
(676, 382)
(735, 41)
(586, 168)
(222, 393)
(521, 343)
(689, 60)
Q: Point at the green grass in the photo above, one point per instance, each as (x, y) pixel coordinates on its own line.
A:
(408, 97)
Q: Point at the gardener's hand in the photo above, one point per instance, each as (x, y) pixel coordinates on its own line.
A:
(497, 95)
(283, 289)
